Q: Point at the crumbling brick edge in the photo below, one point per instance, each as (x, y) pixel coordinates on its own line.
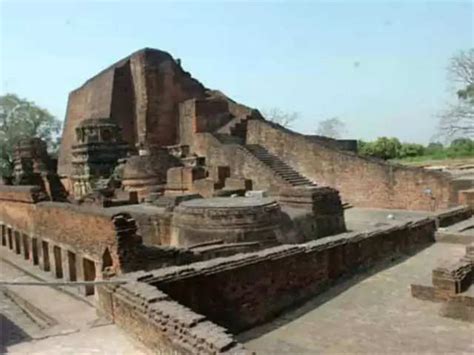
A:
(165, 325)
(162, 324)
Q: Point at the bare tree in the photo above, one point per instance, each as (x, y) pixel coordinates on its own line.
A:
(332, 128)
(458, 119)
(461, 68)
(283, 118)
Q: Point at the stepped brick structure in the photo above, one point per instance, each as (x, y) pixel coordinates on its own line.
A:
(140, 93)
(211, 219)
(156, 104)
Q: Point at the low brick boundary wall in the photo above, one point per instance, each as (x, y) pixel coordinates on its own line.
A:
(25, 194)
(241, 291)
(453, 215)
(162, 324)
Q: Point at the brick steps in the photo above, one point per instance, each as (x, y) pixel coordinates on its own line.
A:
(280, 168)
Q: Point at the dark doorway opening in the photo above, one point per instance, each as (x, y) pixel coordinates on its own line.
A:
(17, 243)
(10, 238)
(46, 264)
(89, 275)
(34, 250)
(4, 235)
(71, 260)
(26, 247)
(58, 263)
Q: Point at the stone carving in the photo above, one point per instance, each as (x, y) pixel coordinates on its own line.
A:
(98, 148)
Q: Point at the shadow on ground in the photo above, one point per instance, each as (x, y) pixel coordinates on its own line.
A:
(10, 334)
(314, 301)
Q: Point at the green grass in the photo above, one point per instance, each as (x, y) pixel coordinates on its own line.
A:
(435, 160)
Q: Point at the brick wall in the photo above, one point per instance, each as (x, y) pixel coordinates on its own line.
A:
(453, 215)
(123, 103)
(86, 230)
(362, 181)
(244, 290)
(205, 115)
(466, 197)
(163, 325)
(141, 92)
(242, 163)
(211, 114)
(91, 100)
(166, 86)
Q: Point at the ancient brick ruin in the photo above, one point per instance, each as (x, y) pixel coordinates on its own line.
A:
(215, 219)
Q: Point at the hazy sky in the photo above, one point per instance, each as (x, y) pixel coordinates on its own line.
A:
(379, 66)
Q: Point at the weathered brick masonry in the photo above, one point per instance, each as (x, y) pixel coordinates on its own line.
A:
(162, 324)
(140, 92)
(361, 181)
(241, 162)
(453, 215)
(77, 242)
(235, 292)
(243, 290)
(451, 285)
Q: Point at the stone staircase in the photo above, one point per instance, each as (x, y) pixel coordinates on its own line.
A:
(280, 168)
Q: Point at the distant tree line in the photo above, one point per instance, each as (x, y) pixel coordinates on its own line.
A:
(391, 148)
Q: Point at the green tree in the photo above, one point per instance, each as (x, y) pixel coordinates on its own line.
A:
(434, 148)
(461, 147)
(20, 118)
(411, 150)
(383, 148)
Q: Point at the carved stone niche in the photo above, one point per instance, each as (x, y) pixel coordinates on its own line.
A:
(99, 146)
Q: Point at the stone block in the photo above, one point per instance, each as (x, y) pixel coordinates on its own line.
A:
(454, 278)
(466, 197)
(181, 178)
(232, 183)
(205, 187)
(219, 174)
